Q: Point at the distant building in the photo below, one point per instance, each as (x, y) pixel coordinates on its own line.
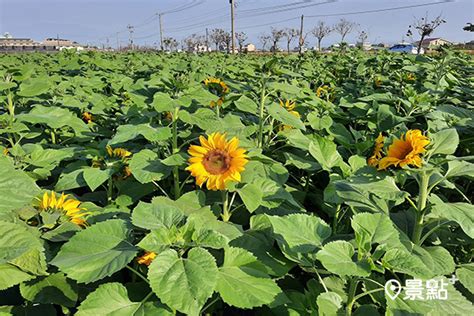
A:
(249, 48)
(12, 44)
(432, 43)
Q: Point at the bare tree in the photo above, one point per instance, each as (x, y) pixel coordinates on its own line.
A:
(264, 39)
(320, 31)
(469, 27)
(217, 37)
(241, 38)
(425, 28)
(170, 43)
(276, 37)
(227, 39)
(362, 37)
(290, 34)
(344, 27)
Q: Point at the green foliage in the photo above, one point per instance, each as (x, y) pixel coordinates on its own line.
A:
(309, 229)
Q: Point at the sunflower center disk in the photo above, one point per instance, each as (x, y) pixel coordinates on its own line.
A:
(404, 150)
(216, 161)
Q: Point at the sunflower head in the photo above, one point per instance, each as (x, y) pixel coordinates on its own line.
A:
(216, 86)
(146, 258)
(219, 102)
(323, 91)
(289, 106)
(216, 161)
(87, 117)
(63, 206)
(406, 150)
(5, 151)
(411, 77)
(378, 151)
(117, 152)
(378, 82)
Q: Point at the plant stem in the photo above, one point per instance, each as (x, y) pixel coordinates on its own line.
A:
(110, 189)
(351, 295)
(147, 297)
(53, 137)
(137, 273)
(421, 205)
(225, 206)
(177, 190)
(262, 108)
(367, 293)
(209, 304)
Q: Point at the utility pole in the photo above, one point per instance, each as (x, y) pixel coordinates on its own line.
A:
(116, 37)
(301, 35)
(232, 24)
(57, 39)
(130, 30)
(161, 30)
(207, 39)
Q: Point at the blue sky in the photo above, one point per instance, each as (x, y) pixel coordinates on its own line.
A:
(88, 21)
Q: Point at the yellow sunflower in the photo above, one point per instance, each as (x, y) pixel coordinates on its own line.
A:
(377, 155)
(323, 91)
(378, 82)
(87, 117)
(5, 151)
(117, 152)
(411, 77)
(219, 102)
(216, 84)
(68, 206)
(405, 151)
(289, 106)
(216, 161)
(147, 258)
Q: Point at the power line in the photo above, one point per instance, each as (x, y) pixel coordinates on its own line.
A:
(380, 10)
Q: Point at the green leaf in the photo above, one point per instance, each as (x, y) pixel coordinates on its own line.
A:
(443, 262)
(129, 132)
(251, 195)
(52, 289)
(325, 152)
(146, 167)
(280, 114)
(329, 303)
(417, 263)
(34, 87)
(337, 257)
(242, 283)
(386, 118)
(11, 275)
(16, 188)
(156, 215)
(112, 299)
(54, 117)
(466, 277)
(96, 252)
(94, 177)
(374, 229)
(300, 232)
(460, 168)
(72, 180)
(162, 102)
(461, 213)
(184, 284)
(444, 142)
(245, 104)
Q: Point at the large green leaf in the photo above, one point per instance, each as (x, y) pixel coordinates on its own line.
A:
(16, 188)
(246, 104)
(325, 152)
(242, 283)
(54, 117)
(129, 132)
(280, 114)
(94, 177)
(329, 303)
(146, 167)
(461, 213)
(466, 277)
(337, 257)
(375, 228)
(300, 232)
(34, 87)
(52, 289)
(184, 284)
(444, 142)
(112, 299)
(156, 215)
(11, 275)
(96, 252)
(251, 195)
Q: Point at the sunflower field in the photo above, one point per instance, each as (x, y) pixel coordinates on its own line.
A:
(151, 184)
